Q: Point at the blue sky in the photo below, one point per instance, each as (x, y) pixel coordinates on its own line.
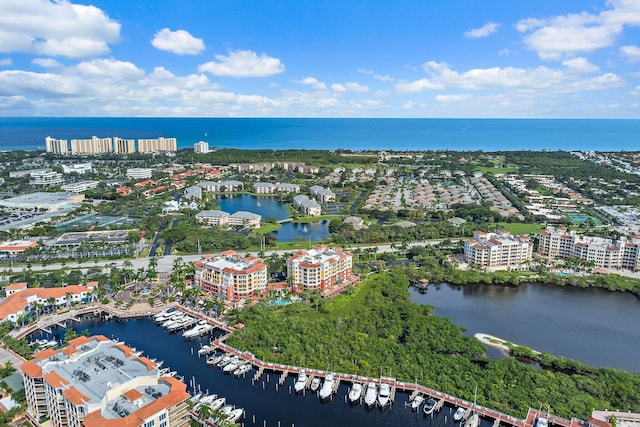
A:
(315, 58)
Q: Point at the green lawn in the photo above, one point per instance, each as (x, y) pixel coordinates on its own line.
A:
(516, 228)
(496, 170)
(308, 219)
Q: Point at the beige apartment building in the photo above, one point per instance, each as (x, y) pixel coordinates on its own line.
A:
(56, 146)
(232, 275)
(124, 146)
(94, 145)
(320, 267)
(157, 144)
(498, 250)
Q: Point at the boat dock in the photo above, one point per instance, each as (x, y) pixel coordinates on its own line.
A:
(413, 389)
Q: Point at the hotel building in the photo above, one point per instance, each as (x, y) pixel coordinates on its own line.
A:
(604, 253)
(97, 382)
(320, 267)
(56, 146)
(157, 144)
(231, 275)
(498, 250)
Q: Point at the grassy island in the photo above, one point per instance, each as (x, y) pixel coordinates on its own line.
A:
(376, 330)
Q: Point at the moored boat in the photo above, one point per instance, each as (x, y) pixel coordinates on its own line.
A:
(457, 416)
(371, 394)
(215, 358)
(235, 415)
(355, 392)
(327, 387)
(205, 349)
(315, 383)
(384, 394)
(301, 382)
(226, 410)
(429, 406)
(232, 365)
(416, 402)
(473, 421)
(225, 360)
(542, 422)
(217, 404)
(243, 369)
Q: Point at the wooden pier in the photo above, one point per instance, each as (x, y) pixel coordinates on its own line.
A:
(283, 378)
(258, 374)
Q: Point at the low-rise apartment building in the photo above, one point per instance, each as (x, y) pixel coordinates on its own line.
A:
(498, 250)
(233, 276)
(308, 206)
(324, 195)
(220, 218)
(97, 382)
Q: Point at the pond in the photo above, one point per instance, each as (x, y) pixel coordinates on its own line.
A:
(264, 205)
(312, 231)
(594, 326)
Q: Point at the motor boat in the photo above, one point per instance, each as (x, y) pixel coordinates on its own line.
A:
(371, 394)
(542, 422)
(234, 415)
(226, 410)
(232, 365)
(199, 329)
(416, 402)
(301, 382)
(355, 392)
(205, 349)
(208, 399)
(429, 406)
(164, 314)
(217, 404)
(315, 383)
(327, 387)
(243, 369)
(215, 358)
(459, 414)
(383, 394)
(473, 421)
(224, 361)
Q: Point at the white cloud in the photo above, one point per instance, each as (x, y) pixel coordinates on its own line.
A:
(380, 77)
(356, 87)
(631, 52)
(57, 28)
(338, 87)
(110, 69)
(556, 37)
(5, 61)
(418, 86)
(243, 63)
(179, 42)
(581, 65)
(570, 78)
(484, 31)
(453, 98)
(312, 81)
(46, 62)
(636, 91)
(504, 52)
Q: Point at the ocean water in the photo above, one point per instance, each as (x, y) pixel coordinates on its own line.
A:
(351, 134)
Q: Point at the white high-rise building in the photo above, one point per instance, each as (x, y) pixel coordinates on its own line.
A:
(157, 144)
(56, 146)
(94, 145)
(124, 146)
(201, 147)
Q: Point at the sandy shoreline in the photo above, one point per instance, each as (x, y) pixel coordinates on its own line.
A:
(496, 342)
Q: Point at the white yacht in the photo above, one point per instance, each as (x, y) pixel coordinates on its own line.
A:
(416, 402)
(164, 314)
(173, 319)
(243, 369)
(542, 422)
(371, 394)
(226, 410)
(355, 392)
(327, 387)
(315, 384)
(205, 349)
(457, 416)
(232, 365)
(383, 394)
(225, 360)
(217, 404)
(430, 406)
(199, 329)
(215, 358)
(301, 382)
(234, 415)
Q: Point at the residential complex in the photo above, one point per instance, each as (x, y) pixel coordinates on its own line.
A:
(230, 274)
(96, 145)
(604, 253)
(269, 188)
(139, 173)
(22, 301)
(201, 147)
(308, 206)
(241, 218)
(80, 186)
(222, 186)
(498, 250)
(97, 382)
(320, 267)
(324, 195)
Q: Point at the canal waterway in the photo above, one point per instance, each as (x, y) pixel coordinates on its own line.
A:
(594, 326)
(264, 404)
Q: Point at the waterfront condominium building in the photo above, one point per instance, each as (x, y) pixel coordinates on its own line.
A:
(498, 250)
(124, 146)
(230, 274)
(56, 146)
(604, 253)
(97, 382)
(94, 145)
(201, 147)
(157, 144)
(320, 267)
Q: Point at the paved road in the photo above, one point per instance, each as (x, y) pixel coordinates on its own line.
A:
(165, 263)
